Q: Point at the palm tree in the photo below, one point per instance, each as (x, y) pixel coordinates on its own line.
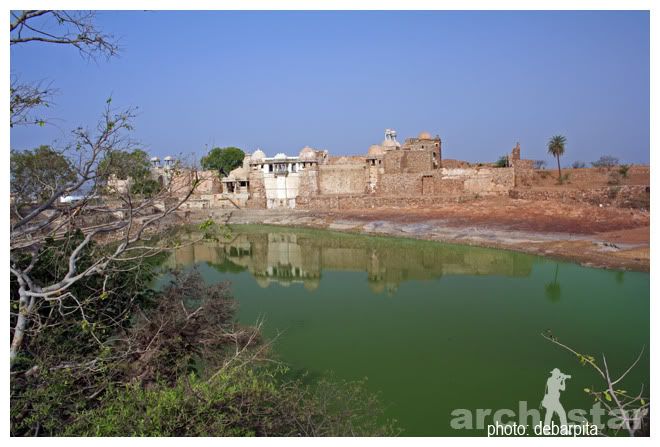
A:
(556, 147)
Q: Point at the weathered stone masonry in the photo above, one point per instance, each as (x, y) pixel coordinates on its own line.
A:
(390, 174)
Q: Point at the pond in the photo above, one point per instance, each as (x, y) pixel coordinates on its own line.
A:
(434, 327)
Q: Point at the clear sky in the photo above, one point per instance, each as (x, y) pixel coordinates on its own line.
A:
(336, 80)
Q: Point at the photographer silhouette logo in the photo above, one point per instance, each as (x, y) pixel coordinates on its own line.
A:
(528, 420)
(555, 384)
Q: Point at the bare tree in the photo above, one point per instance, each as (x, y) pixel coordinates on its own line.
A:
(77, 29)
(24, 99)
(120, 226)
(123, 218)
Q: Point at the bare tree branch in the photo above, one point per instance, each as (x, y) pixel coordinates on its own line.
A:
(77, 28)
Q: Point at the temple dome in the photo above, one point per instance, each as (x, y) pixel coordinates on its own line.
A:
(238, 174)
(375, 150)
(280, 156)
(424, 136)
(307, 153)
(258, 155)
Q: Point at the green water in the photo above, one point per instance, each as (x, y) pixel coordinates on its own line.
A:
(433, 327)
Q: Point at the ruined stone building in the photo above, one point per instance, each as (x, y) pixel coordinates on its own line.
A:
(389, 174)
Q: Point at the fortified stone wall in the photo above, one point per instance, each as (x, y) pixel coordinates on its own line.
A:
(309, 182)
(399, 184)
(181, 183)
(343, 179)
(524, 171)
(365, 201)
(407, 161)
(453, 164)
(626, 196)
(345, 160)
(257, 191)
(448, 186)
(209, 183)
(448, 182)
(594, 176)
(482, 180)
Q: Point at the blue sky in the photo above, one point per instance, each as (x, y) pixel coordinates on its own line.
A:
(336, 80)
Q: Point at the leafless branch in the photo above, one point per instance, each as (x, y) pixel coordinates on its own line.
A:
(76, 28)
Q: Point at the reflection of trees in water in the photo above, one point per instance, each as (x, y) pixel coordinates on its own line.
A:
(553, 289)
(290, 257)
(227, 266)
(619, 277)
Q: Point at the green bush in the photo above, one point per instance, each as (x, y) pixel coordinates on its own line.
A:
(502, 162)
(172, 369)
(623, 170)
(241, 401)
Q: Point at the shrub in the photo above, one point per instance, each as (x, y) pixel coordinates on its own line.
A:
(183, 366)
(623, 170)
(613, 192)
(502, 162)
(241, 401)
(578, 164)
(614, 178)
(539, 164)
(564, 178)
(605, 161)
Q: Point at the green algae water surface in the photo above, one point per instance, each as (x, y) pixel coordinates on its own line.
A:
(435, 328)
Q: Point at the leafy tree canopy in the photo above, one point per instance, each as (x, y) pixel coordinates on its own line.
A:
(37, 174)
(557, 145)
(125, 164)
(223, 159)
(134, 165)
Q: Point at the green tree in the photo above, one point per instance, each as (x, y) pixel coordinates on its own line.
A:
(556, 147)
(37, 174)
(134, 165)
(502, 162)
(223, 159)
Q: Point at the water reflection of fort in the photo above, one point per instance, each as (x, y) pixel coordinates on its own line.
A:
(289, 257)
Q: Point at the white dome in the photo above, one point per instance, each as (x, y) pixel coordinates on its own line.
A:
(280, 156)
(307, 153)
(258, 155)
(155, 159)
(168, 158)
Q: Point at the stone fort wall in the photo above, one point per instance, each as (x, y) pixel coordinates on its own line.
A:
(389, 175)
(407, 161)
(343, 178)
